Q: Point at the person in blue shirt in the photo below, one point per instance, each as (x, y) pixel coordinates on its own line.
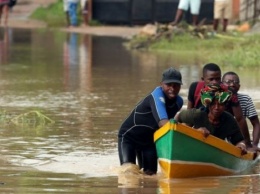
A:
(135, 136)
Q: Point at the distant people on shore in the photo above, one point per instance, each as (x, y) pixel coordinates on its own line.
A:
(4, 45)
(11, 4)
(66, 11)
(72, 10)
(184, 6)
(222, 11)
(4, 11)
(84, 11)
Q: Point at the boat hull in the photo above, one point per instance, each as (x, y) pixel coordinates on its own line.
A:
(184, 152)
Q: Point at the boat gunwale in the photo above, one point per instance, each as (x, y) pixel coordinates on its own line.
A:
(210, 140)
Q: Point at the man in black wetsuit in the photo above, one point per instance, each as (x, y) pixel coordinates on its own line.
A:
(152, 112)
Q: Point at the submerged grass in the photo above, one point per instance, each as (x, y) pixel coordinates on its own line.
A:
(32, 118)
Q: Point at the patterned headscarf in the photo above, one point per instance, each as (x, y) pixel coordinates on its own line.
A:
(215, 91)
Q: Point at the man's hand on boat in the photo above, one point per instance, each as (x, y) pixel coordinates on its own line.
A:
(204, 131)
(241, 145)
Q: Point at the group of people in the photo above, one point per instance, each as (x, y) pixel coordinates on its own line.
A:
(71, 11)
(5, 6)
(222, 11)
(214, 107)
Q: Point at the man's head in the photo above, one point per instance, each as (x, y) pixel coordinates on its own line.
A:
(231, 79)
(211, 74)
(171, 82)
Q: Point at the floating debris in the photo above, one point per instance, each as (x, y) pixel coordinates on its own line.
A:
(32, 118)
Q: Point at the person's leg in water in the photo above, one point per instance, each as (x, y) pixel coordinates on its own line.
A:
(150, 160)
(139, 156)
(126, 152)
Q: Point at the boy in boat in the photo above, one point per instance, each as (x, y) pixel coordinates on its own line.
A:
(214, 119)
(231, 79)
(135, 136)
(211, 74)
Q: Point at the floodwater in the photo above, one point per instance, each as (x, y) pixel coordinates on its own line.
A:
(87, 85)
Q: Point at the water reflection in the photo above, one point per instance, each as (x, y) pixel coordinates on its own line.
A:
(87, 84)
(237, 184)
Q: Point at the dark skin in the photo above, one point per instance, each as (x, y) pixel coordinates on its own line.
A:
(214, 77)
(171, 90)
(233, 82)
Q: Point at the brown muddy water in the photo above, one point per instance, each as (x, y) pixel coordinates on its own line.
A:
(87, 85)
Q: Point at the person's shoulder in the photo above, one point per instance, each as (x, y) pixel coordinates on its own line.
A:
(194, 84)
(157, 90)
(243, 96)
(193, 87)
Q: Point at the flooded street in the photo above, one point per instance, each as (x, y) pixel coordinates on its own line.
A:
(87, 85)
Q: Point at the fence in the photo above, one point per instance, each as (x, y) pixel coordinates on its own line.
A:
(250, 10)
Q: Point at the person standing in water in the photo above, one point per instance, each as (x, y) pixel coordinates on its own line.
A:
(135, 136)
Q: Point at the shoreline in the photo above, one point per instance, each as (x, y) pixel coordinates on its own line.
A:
(19, 18)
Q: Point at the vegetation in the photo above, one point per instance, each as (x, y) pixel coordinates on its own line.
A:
(32, 118)
(54, 15)
(232, 48)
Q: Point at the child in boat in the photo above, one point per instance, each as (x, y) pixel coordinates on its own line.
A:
(214, 119)
(135, 136)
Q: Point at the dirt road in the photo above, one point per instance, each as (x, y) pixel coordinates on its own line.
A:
(19, 18)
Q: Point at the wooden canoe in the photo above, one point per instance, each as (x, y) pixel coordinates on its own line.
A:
(184, 152)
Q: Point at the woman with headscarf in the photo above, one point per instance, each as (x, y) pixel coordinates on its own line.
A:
(214, 119)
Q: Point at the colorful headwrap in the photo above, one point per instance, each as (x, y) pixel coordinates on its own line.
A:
(215, 91)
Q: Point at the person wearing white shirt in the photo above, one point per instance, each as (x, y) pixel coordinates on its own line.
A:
(184, 6)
